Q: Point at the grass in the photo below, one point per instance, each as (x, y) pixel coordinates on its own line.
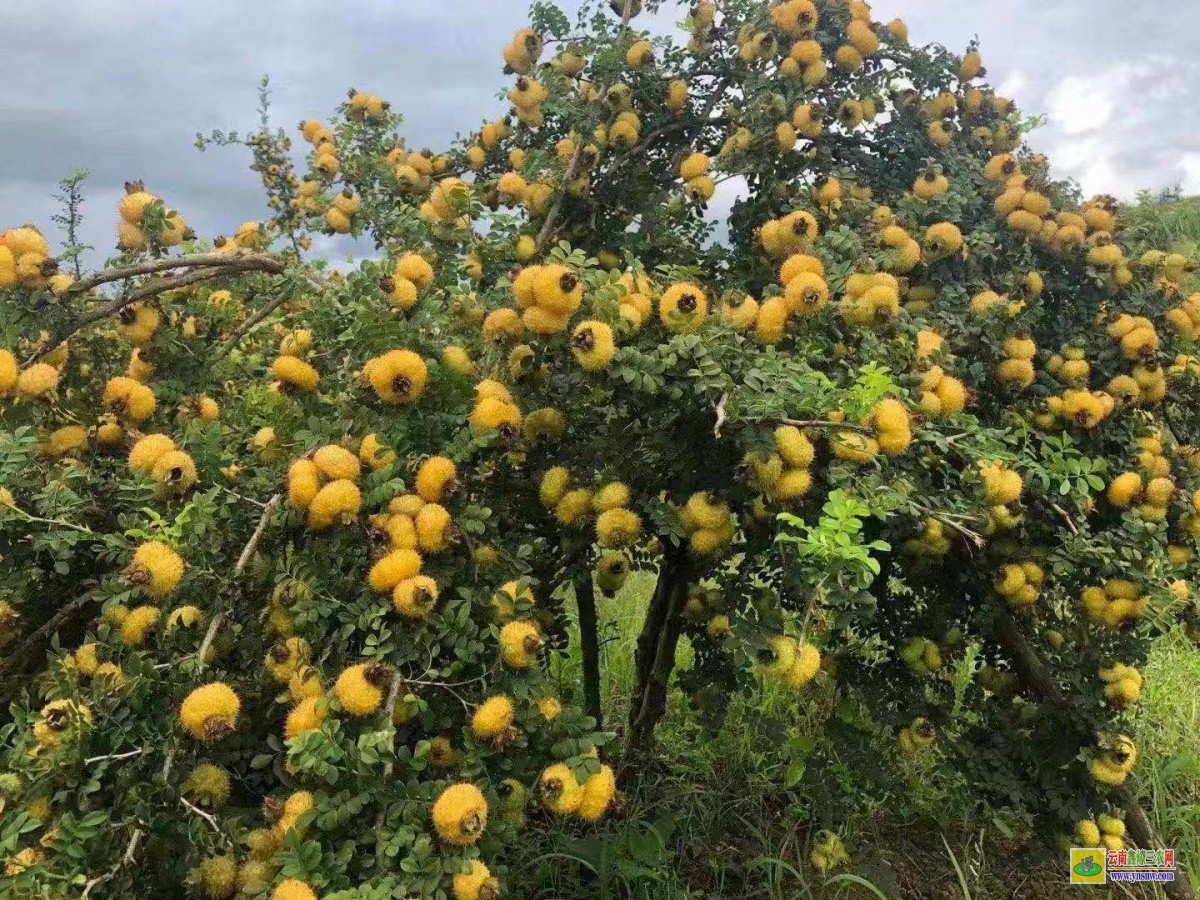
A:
(714, 820)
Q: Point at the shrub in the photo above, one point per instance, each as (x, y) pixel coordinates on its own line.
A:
(909, 431)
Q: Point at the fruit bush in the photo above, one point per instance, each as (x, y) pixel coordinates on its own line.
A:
(290, 552)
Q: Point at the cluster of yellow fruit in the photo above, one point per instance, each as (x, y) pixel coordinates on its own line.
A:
(325, 485)
(709, 523)
(1115, 604)
(137, 231)
(448, 208)
(411, 276)
(1104, 831)
(1002, 488)
(512, 189)
(527, 97)
(904, 251)
(1136, 335)
(616, 524)
(25, 259)
(547, 297)
(173, 470)
(222, 875)
(1078, 409)
(941, 394)
(1185, 318)
(916, 737)
(490, 136)
(1020, 583)
(1016, 370)
(788, 234)
(1152, 497)
(870, 300)
(828, 852)
(414, 170)
(782, 476)
(563, 794)
(61, 722)
(366, 106)
(1122, 684)
(325, 158)
(210, 712)
(523, 51)
(791, 662)
(611, 571)
(339, 216)
(247, 236)
(922, 655)
(34, 381)
(697, 183)
(1115, 760)
(105, 676)
(1070, 366)
(157, 570)
(495, 410)
(932, 542)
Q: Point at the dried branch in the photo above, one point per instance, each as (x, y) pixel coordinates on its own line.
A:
(825, 423)
(167, 263)
(210, 819)
(130, 754)
(720, 410)
(19, 653)
(248, 550)
(256, 263)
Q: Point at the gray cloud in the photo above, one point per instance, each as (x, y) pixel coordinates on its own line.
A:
(122, 86)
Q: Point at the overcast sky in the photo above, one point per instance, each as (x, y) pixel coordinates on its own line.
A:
(120, 87)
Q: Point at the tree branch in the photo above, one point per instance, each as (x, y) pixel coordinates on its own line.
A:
(18, 653)
(166, 263)
(589, 646)
(203, 272)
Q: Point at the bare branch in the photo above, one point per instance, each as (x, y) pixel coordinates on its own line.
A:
(720, 409)
(248, 550)
(167, 263)
(210, 819)
(824, 423)
(153, 288)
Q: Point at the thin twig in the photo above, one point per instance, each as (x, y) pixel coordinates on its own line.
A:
(130, 851)
(720, 409)
(18, 653)
(248, 550)
(254, 320)
(250, 323)
(153, 288)
(825, 423)
(115, 756)
(1070, 522)
(210, 819)
(573, 165)
(167, 263)
(389, 709)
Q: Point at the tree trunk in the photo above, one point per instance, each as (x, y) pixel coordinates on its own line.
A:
(589, 646)
(655, 657)
(1035, 675)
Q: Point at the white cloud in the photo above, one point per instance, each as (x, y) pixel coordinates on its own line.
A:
(1081, 104)
(1189, 168)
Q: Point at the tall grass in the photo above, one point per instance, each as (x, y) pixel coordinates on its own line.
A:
(714, 820)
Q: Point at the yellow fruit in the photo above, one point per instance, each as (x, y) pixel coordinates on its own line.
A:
(210, 712)
(460, 814)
